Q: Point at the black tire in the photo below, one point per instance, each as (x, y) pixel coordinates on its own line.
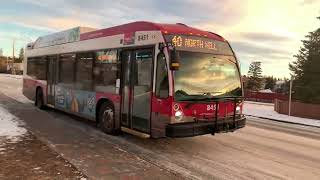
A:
(106, 118)
(39, 99)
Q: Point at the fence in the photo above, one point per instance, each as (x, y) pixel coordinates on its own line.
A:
(264, 97)
(298, 109)
(17, 68)
(3, 66)
(13, 68)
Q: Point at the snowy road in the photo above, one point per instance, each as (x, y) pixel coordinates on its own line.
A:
(262, 150)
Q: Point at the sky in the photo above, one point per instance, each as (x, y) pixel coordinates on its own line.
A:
(269, 31)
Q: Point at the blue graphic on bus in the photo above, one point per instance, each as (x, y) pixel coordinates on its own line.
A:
(76, 101)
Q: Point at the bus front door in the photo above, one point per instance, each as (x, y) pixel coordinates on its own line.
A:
(137, 68)
(51, 79)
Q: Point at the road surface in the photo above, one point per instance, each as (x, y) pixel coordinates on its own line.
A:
(262, 150)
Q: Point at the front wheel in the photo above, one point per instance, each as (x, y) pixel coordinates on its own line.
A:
(106, 121)
(39, 99)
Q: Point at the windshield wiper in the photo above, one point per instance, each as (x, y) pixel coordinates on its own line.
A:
(188, 99)
(190, 102)
(209, 93)
(221, 98)
(211, 99)
(206, 98)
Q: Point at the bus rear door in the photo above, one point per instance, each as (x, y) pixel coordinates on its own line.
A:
(51, 79)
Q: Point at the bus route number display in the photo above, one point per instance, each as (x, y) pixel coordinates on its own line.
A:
(192, 42)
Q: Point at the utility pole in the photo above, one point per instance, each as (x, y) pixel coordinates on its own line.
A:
(19, 38)
(7, 64)
(14, 41)
(290, 97)
(13, 46)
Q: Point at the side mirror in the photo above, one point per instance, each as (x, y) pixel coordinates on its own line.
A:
(174, 59)
(161, 47)
(117, 86)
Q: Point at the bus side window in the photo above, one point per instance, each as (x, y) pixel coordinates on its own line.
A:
(162, 81)
(37, 68)
(84, 65)
(66, 69)
(106, 70)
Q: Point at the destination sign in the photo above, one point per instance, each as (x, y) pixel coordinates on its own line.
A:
(198, 44)
(191, 42)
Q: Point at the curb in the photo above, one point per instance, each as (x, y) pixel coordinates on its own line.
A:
(284, 121)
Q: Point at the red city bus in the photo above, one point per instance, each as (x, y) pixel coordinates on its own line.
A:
(148, 79)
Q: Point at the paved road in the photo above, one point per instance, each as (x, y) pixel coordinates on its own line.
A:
(262, 150)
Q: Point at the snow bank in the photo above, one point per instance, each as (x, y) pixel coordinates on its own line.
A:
(266, 110)
(14, 90)
(266, 91)
(10, 129)
(13, 76)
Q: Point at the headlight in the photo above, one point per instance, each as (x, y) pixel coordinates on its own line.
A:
(178, 115)
(238, 110)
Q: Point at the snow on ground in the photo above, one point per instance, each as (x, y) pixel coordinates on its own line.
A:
(10, 129)
(266, 110)
(13, 76)
(16, 96)
(14, 90)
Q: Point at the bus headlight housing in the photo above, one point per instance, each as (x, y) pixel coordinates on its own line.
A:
(178, 115)
(238, 110)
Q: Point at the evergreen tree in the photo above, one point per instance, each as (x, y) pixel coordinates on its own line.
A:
(255, 77)
(306, 69)
(270, 82)
(21, 56)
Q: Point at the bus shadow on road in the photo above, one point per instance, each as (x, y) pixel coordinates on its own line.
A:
(83, 144)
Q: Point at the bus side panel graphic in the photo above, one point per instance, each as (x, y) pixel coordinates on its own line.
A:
(76, 101)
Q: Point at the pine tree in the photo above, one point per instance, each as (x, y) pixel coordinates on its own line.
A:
(21, 56)
(270, 82)
(306, 69)
(255, 77)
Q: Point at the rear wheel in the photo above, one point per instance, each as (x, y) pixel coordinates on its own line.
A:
(39, 99)
(106, 121)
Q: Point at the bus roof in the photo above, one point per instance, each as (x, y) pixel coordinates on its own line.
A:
(86, 33)
(62, 37)
(150, 26)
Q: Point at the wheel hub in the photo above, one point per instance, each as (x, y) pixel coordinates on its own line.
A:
(107, 118)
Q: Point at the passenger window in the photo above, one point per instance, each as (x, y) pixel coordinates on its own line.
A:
(84, 71)
(37, 68)
(66, 68)
(162, 81)
(105, 70)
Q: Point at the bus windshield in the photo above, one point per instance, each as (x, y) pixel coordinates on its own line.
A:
(204, 75)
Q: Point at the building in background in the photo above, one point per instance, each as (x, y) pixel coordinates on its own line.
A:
(1, 52)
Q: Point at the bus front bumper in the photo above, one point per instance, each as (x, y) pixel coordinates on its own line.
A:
(201, 128)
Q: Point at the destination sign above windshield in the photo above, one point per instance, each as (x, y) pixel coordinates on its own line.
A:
(198, 44)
